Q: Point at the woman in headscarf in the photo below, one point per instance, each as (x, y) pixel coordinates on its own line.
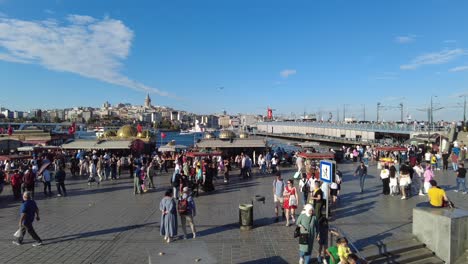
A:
(307, 222)
(168, 209)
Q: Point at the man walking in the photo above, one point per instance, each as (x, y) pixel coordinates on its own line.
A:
(28, 210)
(29, 179)
(60, 182)
(461, 175)
(278, 190)
(151, 172)
(362, 172)
(187, 211)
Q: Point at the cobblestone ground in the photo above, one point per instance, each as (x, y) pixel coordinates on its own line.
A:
(109, 224)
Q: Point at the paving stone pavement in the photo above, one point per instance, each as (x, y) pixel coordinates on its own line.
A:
(109, 224)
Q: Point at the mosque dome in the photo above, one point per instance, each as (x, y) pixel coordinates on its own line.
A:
(127, 131)
(243, 135)
(109, 133)
(227, 134)
(209, 135)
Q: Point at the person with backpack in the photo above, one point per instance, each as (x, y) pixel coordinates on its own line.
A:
(187, 211)
(304, 186)
(175, 183)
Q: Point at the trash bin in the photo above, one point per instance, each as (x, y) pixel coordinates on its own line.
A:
(246, 216)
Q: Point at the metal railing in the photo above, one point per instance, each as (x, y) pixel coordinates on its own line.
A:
(354, 249)
(408, 128)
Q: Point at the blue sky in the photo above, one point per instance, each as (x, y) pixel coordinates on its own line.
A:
(295, 56)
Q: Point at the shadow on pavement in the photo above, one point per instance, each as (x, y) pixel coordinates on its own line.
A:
(218, 229)
(56, 240)
(274, 260)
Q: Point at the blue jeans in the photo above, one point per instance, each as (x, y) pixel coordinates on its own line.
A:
(362, 179)
(461, 181)
(455, 166)
(305, 195)
(305, 256)
(366, 161)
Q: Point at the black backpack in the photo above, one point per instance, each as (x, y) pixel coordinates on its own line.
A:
(305, 188)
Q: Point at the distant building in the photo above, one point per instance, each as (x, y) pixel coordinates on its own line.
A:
(224, 121)
(148, 101)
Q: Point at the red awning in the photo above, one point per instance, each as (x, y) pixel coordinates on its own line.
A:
(14, 157)
(316, 156)
(203, 154)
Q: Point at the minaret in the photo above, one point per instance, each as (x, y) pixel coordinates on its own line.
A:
(147, 101)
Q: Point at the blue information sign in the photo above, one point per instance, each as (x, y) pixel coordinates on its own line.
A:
(327, 171)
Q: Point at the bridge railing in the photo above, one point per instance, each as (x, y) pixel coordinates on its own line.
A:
(364, 127)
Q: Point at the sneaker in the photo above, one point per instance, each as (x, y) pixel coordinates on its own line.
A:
(16, 243)
(37, 244)
(422, 194)
(59, 195)
(455, 190)
(194, 235)
(403, 198)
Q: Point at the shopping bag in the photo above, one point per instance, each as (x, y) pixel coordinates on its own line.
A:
(18, 232)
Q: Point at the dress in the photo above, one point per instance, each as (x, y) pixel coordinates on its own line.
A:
(169, 220)
(291, 192)
(311, 224)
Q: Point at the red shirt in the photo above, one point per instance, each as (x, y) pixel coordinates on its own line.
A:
(16, 180)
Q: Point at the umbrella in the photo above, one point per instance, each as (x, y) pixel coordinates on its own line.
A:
(43, 167)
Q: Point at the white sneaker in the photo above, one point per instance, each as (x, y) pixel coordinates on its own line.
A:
(403, 198)
(59, 195)
(422, 194)
(455, 190)
(37, 244)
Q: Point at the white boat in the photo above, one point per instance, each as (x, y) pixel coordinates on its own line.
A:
(197, 129)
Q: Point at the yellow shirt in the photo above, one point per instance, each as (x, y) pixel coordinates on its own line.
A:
(343, 252)
(436, 196)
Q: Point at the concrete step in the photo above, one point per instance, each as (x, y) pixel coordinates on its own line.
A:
(406, 257)
(431, 260)
(394, 247)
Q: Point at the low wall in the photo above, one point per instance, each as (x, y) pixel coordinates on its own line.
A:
(444, 231)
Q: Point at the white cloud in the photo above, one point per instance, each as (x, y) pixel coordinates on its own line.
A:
(404, 39)
(459, 68)
(90, 47)
(449, 41)
(441, 57)
(49, 11)
(286, 73)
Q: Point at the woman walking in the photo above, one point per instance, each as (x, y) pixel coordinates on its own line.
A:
(307, 222)
(290, 201)
(168, 209)
(317, 199)
(384, 175)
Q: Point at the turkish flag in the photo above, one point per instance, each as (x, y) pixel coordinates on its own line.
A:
(139, 128)
(10, 130)
(72, 129)
(163, 135)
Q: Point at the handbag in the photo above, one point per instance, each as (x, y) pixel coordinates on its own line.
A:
(304, 239)
(292, 200)
(297, 174)
(297, 232)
